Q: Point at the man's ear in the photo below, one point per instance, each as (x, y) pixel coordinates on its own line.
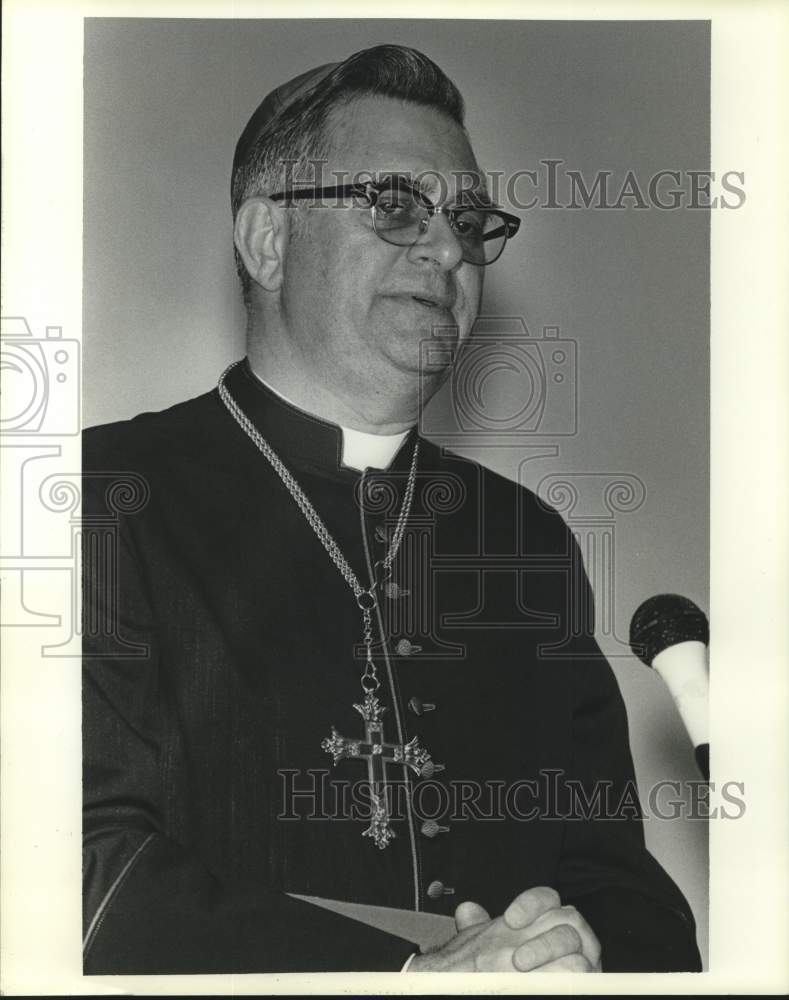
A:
(261, 235)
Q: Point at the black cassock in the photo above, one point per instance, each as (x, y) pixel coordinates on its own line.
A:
(221, 647)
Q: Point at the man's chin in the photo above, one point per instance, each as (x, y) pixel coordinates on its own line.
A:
(428, 357)
(428, 351)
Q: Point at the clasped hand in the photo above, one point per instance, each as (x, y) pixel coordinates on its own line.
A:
(534, 934)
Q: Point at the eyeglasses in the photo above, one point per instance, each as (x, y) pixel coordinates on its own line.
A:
(401, 214)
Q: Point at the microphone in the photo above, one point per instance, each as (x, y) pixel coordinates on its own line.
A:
(670, 633)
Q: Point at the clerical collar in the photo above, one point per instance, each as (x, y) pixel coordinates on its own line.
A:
(322, 445)
(361, 450)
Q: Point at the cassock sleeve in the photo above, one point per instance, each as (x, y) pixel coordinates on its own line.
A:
(150, 904)
(640, 917)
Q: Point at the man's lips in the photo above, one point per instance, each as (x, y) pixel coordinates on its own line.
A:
(430, 303)
(428, 300)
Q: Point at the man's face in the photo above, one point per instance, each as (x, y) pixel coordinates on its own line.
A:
(356, 307)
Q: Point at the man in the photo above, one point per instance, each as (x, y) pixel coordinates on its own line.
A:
(259, 723)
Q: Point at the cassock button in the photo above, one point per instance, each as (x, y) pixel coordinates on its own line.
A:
(405, 648)
(431, 829)
(437, 889)
(419, 707)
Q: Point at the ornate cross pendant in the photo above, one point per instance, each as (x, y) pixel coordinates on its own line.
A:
(378, 754)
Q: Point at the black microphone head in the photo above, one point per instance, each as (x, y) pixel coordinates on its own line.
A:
(663, 621)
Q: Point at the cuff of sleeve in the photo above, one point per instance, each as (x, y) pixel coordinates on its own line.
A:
(409, 960)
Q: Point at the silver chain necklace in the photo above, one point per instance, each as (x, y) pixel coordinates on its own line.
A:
(366, 597)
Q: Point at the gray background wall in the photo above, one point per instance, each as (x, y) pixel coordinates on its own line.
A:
(165, 101)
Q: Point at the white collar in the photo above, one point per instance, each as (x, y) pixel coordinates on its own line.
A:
(361, 450)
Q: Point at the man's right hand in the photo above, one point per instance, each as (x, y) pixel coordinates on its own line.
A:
(535, 934)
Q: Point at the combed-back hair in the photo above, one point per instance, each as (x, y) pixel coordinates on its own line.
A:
(301, 134)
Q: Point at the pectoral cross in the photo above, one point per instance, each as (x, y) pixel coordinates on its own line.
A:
(378, 753)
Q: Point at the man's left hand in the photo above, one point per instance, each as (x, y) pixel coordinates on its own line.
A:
(528, 911)
(539, 911)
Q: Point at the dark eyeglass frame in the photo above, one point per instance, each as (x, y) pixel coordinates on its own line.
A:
(372, 189)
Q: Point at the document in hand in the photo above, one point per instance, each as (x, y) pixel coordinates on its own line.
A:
(428, 930)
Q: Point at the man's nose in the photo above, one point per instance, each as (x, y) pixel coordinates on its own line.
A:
(437, 243)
